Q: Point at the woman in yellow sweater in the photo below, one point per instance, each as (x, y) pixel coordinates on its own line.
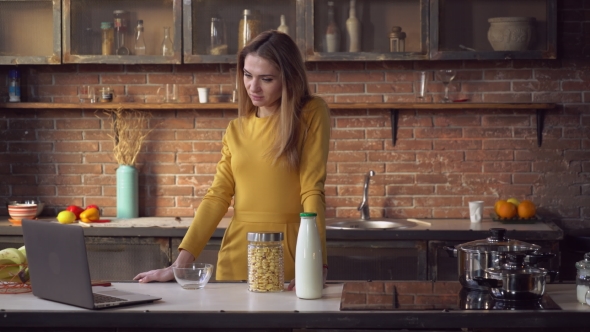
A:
(273, 162)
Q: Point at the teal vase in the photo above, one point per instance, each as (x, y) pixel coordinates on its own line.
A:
(127, 197)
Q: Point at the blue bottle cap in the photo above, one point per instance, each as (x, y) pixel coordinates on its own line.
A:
(13, 73)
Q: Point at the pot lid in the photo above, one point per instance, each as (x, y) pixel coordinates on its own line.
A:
(497, 242)
(516, 265)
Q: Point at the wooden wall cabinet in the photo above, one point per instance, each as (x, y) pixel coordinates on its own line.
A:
(459, 29)
(30, 32)
(69, 31)
(377, 17)
(82, 30)
(197, 25)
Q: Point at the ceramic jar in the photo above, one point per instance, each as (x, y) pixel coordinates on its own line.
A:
(511, 33)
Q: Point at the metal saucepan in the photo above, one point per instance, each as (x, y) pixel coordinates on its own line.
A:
(476, 256)
(516, 281)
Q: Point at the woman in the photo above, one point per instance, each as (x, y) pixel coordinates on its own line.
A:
(273, 162)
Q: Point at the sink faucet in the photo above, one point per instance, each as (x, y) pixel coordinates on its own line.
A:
(364, 207)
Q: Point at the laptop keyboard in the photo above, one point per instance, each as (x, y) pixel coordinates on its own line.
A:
(99, 298)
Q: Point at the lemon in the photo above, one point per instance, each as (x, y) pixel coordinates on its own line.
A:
(513, 201)
(66, 217)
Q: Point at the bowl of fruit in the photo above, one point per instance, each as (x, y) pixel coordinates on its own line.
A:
(515, 211)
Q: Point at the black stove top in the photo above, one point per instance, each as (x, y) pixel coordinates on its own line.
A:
(481, 300)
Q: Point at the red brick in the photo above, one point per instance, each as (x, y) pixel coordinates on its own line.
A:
(438, 132)
(30, 124)
(501, 167)
(59, 180)
(487, 132)
(437, 201)
(412, 145)
(360, 167)
(79, 169)
(170, 191)
(123, 79)
(400, 167)
(74, 146)
(53, 135)
(33, 191)
(411, 212)
(389, 88)
(347, 134)
(78, 79)
(391, 156)
(531, 178)
(344, 179)
(383, 300)
(556, 74)
(358, 99)
(520, 97)
(457, 145)
(506, 74)
(440, 156)
(389, 65)
(34, 169)
(364, 76)
(347, 156)
(413, 287)
(388, 179)
(505, 144)
(20, 158)
(21, 135)
(386, 133)
(70, 124)
(558, 97)
(357, 191)
(462, 167)
(212, 123)
(409, 190)
(341, 88)
(358, 145)
(204, 181)
(489, 179)
(171, 169)
(85, 190)
(182, 135)
(58, 158)
(481, 155)
(533, 86)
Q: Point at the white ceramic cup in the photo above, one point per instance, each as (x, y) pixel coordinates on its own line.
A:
(203, 95)
(476, 211)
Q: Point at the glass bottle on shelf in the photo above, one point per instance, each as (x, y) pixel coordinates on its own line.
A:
(353, 28)
(139, 39)
(121, 18)
(248, 29)
(284, 28)
(108, 38)
(332, 38)
(167, 46)
(218, 40)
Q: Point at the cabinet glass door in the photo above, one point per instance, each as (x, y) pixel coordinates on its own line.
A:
(493, 29)
(374, 21)
(30, 32)
(104, 31)
(213, 28)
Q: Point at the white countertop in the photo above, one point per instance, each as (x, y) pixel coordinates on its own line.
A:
(235, 297)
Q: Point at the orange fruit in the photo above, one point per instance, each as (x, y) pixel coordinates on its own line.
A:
(506, 210)
(526, 209)
(497, 204)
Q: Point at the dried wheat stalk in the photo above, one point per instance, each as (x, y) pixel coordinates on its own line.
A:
(129, 130)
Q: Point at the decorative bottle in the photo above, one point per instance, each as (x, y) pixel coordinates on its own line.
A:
(139, 39)
(583, 278)
(108, 38)
(167, 46)
(283, 27)
(309, 279)
(13, 85)
(353, 28)
(332, 41)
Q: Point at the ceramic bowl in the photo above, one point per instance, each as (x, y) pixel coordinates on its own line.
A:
(22, 211)
(193, 275)
(40, 206)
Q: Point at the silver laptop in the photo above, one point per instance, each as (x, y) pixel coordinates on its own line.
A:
(58, 267)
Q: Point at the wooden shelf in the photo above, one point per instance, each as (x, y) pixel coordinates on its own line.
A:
(393, 107)
(158, 106)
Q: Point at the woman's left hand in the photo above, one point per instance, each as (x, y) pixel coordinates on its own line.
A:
(325, 274)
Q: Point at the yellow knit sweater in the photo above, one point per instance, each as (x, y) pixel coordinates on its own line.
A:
(267, 197)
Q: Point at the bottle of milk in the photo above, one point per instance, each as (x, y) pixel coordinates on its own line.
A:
(583, 278)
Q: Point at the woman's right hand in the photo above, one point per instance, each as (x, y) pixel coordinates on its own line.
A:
(165, 274)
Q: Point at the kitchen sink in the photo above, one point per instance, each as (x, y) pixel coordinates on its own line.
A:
(367, 224)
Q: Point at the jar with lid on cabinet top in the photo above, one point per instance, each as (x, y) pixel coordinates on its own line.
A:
(265, 262)
(583, 278)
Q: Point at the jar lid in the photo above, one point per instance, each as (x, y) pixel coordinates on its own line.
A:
(265, 237)
(247, 12)
(308, 214)
(106, 25)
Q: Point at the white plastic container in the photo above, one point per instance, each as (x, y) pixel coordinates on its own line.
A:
(309, 280)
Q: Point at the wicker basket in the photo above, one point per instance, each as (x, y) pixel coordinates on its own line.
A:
(13, 283)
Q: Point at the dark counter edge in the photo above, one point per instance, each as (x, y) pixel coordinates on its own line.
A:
(332, 320)
(555, 233)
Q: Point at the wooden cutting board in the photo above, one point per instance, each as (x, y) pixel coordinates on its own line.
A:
(399, 295)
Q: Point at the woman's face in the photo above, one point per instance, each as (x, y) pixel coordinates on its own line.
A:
(263, 83)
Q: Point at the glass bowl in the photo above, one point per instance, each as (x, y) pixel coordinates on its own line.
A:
(193, 275)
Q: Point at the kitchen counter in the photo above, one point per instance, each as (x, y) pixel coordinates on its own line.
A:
(226, 306)
(439, 229)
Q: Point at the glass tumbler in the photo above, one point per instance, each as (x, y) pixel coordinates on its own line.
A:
(421, 85)
(218, 37)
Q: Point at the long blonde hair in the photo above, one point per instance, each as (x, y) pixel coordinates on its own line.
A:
(280, 50)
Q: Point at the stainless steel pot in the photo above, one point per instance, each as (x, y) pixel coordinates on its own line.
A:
(515, 280)
(476, 256)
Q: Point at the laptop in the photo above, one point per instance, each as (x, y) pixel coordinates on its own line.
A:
(58, 268)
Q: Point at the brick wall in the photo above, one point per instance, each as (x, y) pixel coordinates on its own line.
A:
(442, 159)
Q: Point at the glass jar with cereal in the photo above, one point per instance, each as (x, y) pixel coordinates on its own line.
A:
(265, 262)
